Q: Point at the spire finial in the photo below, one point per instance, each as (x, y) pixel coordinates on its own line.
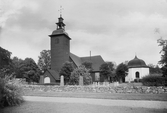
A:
(60, 10)
(135, 55)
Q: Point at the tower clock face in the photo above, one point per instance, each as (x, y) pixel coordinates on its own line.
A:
(56, 40)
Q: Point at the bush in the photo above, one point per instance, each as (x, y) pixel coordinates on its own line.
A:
(80, 71)
(137, 80)
(154, 80)
(10, 92)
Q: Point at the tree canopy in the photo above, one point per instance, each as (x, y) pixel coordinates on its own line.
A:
(44, 61)
(154, 69)
(66, 70)
(163, 52)
(88, 65)
(121, 71)
(5, 61)
(106, 70)
(80, 71)
(16, 62)
(29, 70)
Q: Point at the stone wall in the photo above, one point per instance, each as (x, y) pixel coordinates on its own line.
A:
(96, 89)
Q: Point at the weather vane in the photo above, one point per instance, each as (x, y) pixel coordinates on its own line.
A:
(60, 10)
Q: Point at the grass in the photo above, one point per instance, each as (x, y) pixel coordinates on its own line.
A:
(122, 96)
(49, 107)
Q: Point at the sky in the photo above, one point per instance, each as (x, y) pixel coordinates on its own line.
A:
(115, 29)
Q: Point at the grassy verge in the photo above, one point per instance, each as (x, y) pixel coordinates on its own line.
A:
(122, 96)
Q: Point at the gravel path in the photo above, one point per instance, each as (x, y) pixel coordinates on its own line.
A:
(102, 102)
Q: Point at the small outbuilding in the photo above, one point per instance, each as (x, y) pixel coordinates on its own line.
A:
(137, 69)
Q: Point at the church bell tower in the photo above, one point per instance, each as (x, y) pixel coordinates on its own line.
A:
(60, 46)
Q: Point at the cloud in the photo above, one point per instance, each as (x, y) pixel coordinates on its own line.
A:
(114, 29)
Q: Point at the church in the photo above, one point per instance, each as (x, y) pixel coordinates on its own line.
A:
(137, 69)
(60, 53)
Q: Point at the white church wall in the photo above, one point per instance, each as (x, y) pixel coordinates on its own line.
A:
(132, 73)
(145, 72)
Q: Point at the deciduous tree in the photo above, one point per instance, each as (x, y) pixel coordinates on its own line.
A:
(44, 61)
(121, 71)
(80, 71)
(30, 70)
(163, 52)
(106, 70)
(88, 65)
(5, 62)
(66, 70)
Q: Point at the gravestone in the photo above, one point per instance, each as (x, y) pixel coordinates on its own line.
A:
(41, 80)
(62, 80)
(116, 84)
(81, 80)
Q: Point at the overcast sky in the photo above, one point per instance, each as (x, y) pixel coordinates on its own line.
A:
(114, 29)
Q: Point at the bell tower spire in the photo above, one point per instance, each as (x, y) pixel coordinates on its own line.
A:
(60, 46)
(60, 23)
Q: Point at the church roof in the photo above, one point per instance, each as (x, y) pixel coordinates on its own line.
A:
(97, 61)
(53, 73)
(76, 59)
(59, 31)
(136, 63)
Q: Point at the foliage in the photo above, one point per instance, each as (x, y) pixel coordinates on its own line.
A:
(44, 61)
(154, 69)
(80, 71)
(66, 70)
(154, 80)
(106, 70)
(4, 57)
(163, 52)
(16, 62)
(88, 65)
(121, 71)
(30, 70)
(10, 92)
(5, 62)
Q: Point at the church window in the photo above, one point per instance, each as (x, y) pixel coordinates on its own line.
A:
(137, 74)
(97, 77)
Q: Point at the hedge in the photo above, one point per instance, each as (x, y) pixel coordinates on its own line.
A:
(154, 80)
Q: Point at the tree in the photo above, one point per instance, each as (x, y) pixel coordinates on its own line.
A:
(44, 61)
(80, 71)
(16, 62)
(66, 70)
(154, 69)
(30, 70)
(88, 65)
(106, 70)
(5, 62)
(163, 52)
(121, 71)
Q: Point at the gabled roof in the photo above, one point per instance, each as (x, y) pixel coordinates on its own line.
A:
(76, 59)
(97, 61)
(54, 74)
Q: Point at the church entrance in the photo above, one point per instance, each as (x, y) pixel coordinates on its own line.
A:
(46, 80)
(137, 74)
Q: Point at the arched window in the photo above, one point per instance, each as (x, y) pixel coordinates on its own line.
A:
(137, 74)
(46, 80)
